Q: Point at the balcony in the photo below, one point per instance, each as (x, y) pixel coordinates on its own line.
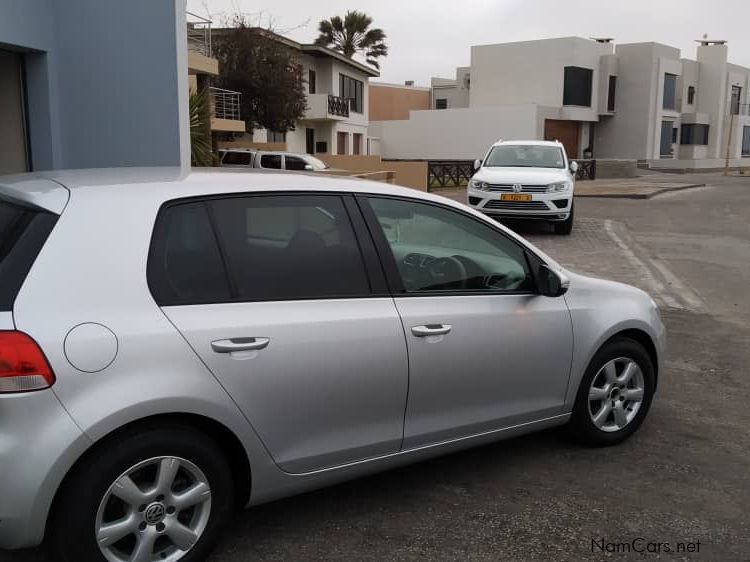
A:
(200, 60)
(225, 111)
(327, 107)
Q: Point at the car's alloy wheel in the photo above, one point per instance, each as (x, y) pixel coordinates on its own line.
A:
(155, 510)
(616, 394)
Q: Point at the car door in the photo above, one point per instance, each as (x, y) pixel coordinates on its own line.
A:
(485, 350)
(300, 331)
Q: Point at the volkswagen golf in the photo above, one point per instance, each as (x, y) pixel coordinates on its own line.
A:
(177, 346)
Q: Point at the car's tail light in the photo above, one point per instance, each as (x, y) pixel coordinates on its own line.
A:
(23, 366)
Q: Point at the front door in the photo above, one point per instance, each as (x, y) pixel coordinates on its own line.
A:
(310, 140)
(297, 336)
(485, 351)
(564, 131)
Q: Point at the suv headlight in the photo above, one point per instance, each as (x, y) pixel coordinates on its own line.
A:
(477, 184)
(558, 187)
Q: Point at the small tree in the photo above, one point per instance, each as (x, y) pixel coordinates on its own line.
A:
(265, 72)
(353, 34)
(200, 130)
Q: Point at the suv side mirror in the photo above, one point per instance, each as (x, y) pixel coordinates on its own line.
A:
(574, 166)
(477, 164)
(551, 283)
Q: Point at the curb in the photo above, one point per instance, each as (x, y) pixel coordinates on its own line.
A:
(657, 191)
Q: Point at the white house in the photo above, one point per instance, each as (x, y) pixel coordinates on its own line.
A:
(637, 101)
(336, 119)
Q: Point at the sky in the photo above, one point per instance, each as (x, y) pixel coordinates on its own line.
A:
(432, 37)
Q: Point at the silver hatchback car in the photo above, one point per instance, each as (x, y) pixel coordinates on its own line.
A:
(173, 347)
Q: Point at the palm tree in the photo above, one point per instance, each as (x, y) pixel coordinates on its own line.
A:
(200, 132)
(352, 34)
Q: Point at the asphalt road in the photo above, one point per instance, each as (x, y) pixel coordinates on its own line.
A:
(683, 478)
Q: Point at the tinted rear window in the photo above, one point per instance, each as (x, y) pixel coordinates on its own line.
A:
(237, 158)
(23, 232)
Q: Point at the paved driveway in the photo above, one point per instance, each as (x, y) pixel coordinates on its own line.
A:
(683, 480)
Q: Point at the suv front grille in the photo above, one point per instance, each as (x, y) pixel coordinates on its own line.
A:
(517, 205)
(508, 188)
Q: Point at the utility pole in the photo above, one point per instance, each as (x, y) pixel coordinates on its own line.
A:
(729, 140)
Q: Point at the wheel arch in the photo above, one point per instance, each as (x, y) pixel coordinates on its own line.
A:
(644, 339)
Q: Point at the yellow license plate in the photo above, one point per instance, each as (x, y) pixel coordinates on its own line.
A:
(515, 197)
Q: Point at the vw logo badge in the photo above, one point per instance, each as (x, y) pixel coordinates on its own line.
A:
(155, 513)
(517, 188)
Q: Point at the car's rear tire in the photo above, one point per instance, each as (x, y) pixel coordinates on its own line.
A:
(179, 505)
(566, 226)
(615, 394)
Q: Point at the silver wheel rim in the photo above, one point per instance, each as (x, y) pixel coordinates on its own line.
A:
(616, 394)
(154, 511)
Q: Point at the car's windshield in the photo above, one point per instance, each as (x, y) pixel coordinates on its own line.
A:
(525, 156)
(316, 163)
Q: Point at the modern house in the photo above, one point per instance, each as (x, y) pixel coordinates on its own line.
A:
(637, 101)
(337, 87)
(78, 89)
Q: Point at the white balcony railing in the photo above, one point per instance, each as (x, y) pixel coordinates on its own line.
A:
(198, 34)
(225, 104)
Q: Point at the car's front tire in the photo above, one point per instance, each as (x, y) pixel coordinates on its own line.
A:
(615, 394)
(161, 493)
(566, 226)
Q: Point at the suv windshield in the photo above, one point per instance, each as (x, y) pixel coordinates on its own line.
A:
(525, 156)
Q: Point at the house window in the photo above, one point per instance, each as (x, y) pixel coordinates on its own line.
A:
(670, 90)
(665, 141)
(694, 133)
(611, 93)
(275, 136)
(311, 81)
(577, 86)
(691, 95)
(441, 103)
(746, 141)
(353, 90)
(734, 103)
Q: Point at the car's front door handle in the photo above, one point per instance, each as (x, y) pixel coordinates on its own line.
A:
(239, 344)
(431, 330)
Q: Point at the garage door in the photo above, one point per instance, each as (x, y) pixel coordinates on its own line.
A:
(564, 131)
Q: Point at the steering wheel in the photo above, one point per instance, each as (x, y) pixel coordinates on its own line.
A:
(447, 273)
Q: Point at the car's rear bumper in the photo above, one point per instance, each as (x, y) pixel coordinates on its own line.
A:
(39, 442)
(541, 206)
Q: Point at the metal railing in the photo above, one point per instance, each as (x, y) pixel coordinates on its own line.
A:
(586, 169)
(338, 106)
(449, 173)
(198, 34)
(225, 104)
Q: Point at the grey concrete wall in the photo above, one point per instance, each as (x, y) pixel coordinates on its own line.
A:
(106, 80)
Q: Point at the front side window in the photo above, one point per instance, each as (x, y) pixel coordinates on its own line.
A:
(670, 91)
(282, 247)
(353, 90)
(272, 161)
(295, 163)
(237, 158)
(525, 156)
(437, 249)
(577, 86)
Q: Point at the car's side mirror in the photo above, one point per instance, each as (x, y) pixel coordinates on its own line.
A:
(574, 167)
(477, 164)
(308, 167)
(551, 283)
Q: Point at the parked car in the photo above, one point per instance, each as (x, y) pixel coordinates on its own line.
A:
(525, 180)
(174, 347)
(234, 158)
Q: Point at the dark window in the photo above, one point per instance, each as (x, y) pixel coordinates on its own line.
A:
(675, 130)
(275, 136)
(294, 163)
(734, 102)
(321, 147)
(353, 90)
(311, 81)
(611, 93)
(670, 90)
(290, 247)
(441, 103)
(665, 141)
(237, 158)
(746, 141)
(23, 232)
(691, 95)
(185, 266)
(270, 161)
(437, 249)
(694, 133)
(577, 86)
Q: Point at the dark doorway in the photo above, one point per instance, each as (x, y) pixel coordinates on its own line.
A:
(665, 146)
(564, 131)
(310, 141)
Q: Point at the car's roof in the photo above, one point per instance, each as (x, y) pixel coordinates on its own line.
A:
(529, 142)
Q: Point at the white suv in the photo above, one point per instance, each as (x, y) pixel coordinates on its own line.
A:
(525, 180)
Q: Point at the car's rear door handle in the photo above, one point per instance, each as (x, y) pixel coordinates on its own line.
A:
(431, 330)
(239, 344)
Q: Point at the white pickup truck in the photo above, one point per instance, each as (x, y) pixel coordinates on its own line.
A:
(248, 158)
